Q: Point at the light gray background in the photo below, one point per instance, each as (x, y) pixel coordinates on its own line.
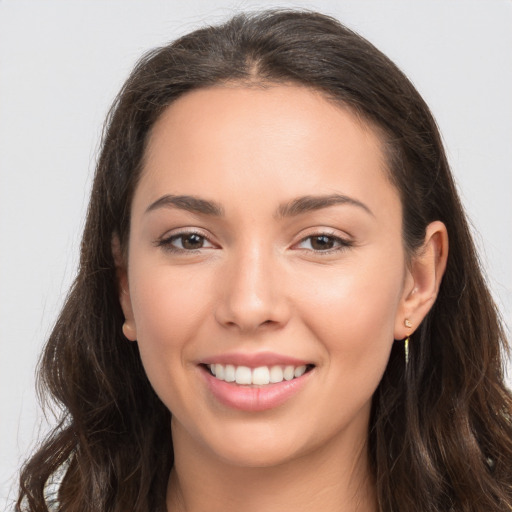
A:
(61, 63)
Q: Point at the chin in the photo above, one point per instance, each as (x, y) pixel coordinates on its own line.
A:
(257, 456)
(265, 444)
(253, 444)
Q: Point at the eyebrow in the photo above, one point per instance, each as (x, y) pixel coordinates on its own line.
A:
(310, 203)
(189, 203)
(293, 208)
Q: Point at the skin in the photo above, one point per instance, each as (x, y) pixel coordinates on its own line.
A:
(259, 281)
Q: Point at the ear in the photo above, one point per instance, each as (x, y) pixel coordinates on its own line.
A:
(129, 328)
(422, 281)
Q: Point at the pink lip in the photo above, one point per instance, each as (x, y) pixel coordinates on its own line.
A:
(253, 398)
(254, 360)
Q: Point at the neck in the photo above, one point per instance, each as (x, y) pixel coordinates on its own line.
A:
(336, 477)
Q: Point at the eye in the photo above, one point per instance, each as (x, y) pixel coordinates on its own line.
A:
(323, 243)
(184, 242)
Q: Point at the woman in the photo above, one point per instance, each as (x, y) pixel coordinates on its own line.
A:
(267, 313)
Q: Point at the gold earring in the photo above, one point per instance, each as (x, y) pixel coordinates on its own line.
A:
(407, 324)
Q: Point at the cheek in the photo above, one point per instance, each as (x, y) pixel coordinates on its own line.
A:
(348, 313)
(166, 303)
(168, 313)
(352, 310)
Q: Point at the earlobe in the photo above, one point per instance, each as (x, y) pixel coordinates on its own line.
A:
(423, 280)
(129, 328)
(129, 331)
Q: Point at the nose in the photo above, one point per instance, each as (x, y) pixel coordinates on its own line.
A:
(252, 292)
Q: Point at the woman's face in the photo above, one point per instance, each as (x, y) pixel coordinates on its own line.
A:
(266, 240)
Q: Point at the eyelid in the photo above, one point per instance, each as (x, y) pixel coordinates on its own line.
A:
(165, 240)
(344, 240)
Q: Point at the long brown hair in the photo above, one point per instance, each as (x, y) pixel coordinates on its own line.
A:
(440, 435)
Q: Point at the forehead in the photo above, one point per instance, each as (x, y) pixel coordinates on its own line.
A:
(276, 140)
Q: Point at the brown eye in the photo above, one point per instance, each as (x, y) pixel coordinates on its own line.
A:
(191, 241)
(184, 242)
(322, 242)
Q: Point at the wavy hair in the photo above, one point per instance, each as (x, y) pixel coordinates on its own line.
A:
(440, 433)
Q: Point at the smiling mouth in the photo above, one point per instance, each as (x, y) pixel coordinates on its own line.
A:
(259, 376)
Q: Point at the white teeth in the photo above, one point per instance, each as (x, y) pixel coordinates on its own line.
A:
(276, 374)
(260, 376)
(243, 375)
(300, 370)
(288, 372)
(219, 371)
(229, 373)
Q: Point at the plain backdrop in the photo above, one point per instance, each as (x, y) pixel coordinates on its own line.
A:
(61, 63)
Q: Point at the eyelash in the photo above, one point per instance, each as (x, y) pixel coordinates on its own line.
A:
(343, 244)
(167, 243)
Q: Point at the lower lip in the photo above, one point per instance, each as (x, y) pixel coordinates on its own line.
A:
(254, 398)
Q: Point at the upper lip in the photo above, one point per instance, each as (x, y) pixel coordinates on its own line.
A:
(254, 360)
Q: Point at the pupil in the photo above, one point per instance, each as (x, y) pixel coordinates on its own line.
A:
(192, 241)
(322, 243)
